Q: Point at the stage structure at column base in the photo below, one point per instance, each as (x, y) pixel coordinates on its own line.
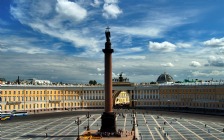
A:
(96, 135)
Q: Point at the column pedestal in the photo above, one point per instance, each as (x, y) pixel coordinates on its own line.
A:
(108, 123)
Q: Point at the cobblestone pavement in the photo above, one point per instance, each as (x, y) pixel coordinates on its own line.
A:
(148, 127)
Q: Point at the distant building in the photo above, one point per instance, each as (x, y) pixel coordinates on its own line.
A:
(165, 78)
(200, 97)
(2, 81)
(35, 81)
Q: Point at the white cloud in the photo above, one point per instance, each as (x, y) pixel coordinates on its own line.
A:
(136, 57)
(140, 30)
(129, 50)
(29, 50)
(111, 9)
(100, 69)
(22, 45)
(212, 73)
(167, 65)
(42, 66)
(84, 31)
(127, 41)
(221, 50)
(217, 61)
(162, 47)
(55, 26)
(96, 3)
(195, 64)
(183, 45)
(214, 42)
(155, 24)
(71, 10)
(111, 1)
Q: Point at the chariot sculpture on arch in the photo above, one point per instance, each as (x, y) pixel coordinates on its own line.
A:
(121, 79)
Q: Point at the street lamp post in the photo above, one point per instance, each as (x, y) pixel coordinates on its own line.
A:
(204, 107)
(133, 128)
(34, 109)
(88, 116)
(46, 131)
(78, 122)
(169, 104)
(140, 135)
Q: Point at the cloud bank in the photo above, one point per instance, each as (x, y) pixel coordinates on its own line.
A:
(162, 47)
(111, 9)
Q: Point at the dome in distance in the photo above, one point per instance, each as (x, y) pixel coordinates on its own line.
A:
(165, 78)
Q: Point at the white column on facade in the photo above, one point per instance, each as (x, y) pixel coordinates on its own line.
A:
(134, 94)
(87, 95)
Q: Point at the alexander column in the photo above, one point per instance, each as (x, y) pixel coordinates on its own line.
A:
(108, 123)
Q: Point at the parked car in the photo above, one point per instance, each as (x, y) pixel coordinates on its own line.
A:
(19, 113)
(5, 116)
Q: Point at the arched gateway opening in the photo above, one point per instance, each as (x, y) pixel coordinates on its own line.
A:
(121, 99)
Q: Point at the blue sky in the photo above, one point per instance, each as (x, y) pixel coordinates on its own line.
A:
(62, 40)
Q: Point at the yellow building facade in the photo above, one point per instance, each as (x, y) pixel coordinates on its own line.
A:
(51, 98)
(193, 96)
(38, 99)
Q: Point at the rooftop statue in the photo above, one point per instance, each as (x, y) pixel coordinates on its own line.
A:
(120, 77)
(107, 33)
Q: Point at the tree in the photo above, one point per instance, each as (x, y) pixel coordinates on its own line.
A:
(92, 82)
(152, 83)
